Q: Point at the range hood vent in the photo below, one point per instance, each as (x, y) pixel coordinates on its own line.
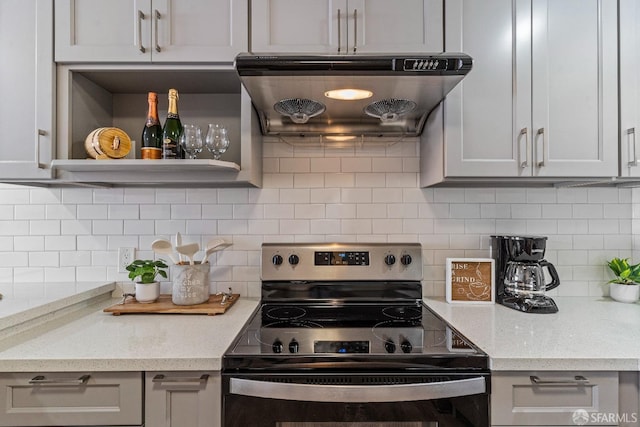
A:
(293, 95)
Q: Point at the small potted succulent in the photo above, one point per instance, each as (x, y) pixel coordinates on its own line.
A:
(147, 286)
(625, 287)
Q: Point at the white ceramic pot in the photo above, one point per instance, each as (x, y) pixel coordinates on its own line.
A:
(147, 292)
(624, 293)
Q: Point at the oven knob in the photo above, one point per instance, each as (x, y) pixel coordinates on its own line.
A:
(294, 259)
(277, 346)
(405, 259)
(276, 260)
(294, 346)
(390, 346)
(389, 259)
(406, 346)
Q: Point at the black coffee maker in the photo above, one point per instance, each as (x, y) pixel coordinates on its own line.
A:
(521, 281)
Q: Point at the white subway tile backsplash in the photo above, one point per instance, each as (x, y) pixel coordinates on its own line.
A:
(31, 275)
(60, 212)
(44, 227)
(309, 194)
(370, 180)
(23, 243)
(30, 212)
(92, 212)
(109, 195)
(309, 211)
(356, 164)
(295, 165)
(48, 196)
(339, 180)
(233, 195)
(124, 211)
(75, 227)
(308, 180)
(371, 210)
(44, 259)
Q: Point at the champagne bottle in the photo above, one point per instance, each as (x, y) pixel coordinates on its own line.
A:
(151, 147)
(171, 148)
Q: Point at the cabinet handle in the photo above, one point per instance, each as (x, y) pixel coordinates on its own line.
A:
(577, 380)
(339, 32)
(156, 16)
(140, 19)
(541, 133)
(39, 133)
(525, 164)
(162, 379)
(632, 131)
(42, 380)
(355, 30)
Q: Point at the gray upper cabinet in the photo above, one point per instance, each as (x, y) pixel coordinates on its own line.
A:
(27, 87)
(629, 88)
(150, 30)
(346, 26)
(541, 99)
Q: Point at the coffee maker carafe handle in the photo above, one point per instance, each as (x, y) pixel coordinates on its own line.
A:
(555, 280)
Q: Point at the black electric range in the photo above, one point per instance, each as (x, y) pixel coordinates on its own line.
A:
(344, 324)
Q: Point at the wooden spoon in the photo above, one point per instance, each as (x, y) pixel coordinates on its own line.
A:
(163, 247)
(188, 250)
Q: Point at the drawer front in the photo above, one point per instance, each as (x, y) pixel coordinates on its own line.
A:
(554, 398)
(71, 398)
(183, 399)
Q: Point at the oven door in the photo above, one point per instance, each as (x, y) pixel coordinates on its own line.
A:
(355, 400)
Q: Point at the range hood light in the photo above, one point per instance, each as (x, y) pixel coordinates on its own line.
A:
(348, 94)
(340, 138)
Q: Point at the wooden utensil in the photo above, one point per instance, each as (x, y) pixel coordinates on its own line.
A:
(163, 247)
(188, 250)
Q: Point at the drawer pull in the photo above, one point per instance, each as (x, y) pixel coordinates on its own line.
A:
(577, 380)
(42, 380)
(162, 379)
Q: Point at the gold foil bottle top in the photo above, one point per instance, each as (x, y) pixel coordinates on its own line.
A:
(173, 93)
(152, 97)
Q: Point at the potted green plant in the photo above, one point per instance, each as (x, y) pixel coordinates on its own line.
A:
(625, 286)
(147, 287)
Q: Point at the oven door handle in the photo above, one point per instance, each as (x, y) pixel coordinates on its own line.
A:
(358, 393)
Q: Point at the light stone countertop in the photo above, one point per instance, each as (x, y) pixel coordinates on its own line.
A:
(92, 340)
(587, 333)
(29, 301)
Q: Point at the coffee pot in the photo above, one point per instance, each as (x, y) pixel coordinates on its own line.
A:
(523, 275)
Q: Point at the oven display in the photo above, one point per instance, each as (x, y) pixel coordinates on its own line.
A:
(341, 347)
(342, 258)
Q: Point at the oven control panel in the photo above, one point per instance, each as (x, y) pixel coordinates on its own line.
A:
(342, 258)
(341, 261)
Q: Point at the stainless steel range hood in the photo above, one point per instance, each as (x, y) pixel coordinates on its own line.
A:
(290, 93)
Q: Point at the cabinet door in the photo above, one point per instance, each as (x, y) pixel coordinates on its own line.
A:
(103, 30)
(302, 26)
(629, 87)
(71, 398)
(380, 26)
(574, 82)
(199, 30)
(26, 83)
(550, 398)
(183, 399)
(487, 115)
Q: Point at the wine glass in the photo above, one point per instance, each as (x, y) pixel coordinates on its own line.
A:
(191, 140)
(217, 140)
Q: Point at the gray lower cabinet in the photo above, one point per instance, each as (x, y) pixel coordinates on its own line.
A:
(71, 399)
(550, 398)
(182, 399)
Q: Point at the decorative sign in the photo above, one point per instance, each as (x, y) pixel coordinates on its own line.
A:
(470, 280)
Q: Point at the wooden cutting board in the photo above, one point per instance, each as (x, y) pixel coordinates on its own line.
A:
(164, 306)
